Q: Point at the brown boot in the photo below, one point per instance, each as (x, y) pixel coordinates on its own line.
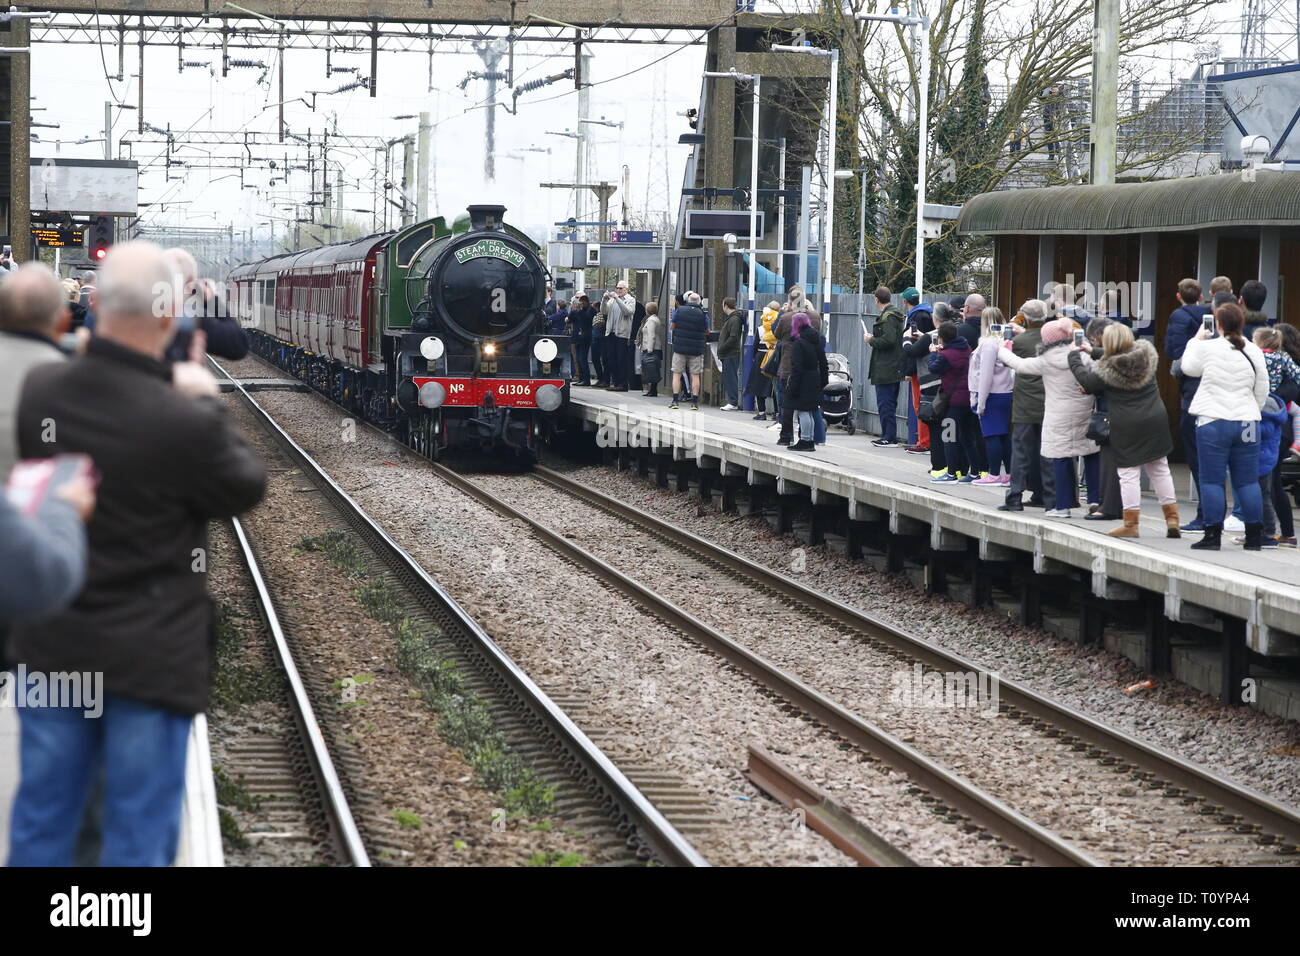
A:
(1171, 521)
(1130, 527)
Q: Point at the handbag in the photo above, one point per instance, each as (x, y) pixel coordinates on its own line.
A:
(1099, 424)
(933, 410)
(773, 361)
(650, 366)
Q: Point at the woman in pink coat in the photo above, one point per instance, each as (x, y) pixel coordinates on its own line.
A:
(1066, 413)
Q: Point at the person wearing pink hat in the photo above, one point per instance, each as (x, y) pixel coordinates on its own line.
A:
(1066, 413)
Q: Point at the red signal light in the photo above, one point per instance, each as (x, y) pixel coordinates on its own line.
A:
(100, 253)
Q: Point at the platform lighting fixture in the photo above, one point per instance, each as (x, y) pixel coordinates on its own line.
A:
(920, 27)
(834, 55)
(756, 82)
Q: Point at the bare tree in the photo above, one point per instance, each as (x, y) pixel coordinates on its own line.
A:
(1009, 105)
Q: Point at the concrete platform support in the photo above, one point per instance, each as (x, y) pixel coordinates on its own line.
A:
(1235, 666)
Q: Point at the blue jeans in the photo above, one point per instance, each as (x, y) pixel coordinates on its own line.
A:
(731, 380)
(1187, 429)
(887, 404)
(819, 426)
(140, 750)
(580, 350)
(807, 423)
(1229, 448)
(1066, 484)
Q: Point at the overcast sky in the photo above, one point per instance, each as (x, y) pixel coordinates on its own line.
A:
(69, 83)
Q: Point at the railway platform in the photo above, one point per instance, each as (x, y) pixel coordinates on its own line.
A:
(1227, 623)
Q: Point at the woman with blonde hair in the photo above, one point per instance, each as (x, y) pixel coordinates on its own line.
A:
(72, 289)
(990, 383)
(1139, 425)
(759, 383)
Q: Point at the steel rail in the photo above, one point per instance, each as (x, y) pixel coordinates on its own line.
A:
(1251, 805)
(984, 809)
(822, 812)
(646, 823)
(342, 825)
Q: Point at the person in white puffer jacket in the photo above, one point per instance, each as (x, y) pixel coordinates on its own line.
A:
(1234, 387)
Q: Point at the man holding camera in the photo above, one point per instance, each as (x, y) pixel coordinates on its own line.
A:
(618, 308)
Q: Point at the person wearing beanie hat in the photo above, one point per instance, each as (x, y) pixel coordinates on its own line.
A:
(911, 296)
(1066, 413)
(1058, 330)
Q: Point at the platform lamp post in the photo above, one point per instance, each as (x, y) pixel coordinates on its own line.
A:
(757, 82)
(829, 230)
(845, 174)
(920, 27)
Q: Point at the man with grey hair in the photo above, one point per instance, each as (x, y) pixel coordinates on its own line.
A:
(618, 308)
(690, 328)
(33, 316)
(170, 462)
(203, 324)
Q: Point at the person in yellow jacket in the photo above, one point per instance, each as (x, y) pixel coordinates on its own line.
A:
(758, 384)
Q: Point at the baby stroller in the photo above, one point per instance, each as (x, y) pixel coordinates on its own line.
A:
(837, 397)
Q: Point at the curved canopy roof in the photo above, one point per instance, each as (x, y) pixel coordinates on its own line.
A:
(1193, 202)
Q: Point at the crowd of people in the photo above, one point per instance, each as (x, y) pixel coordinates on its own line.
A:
(104, 559)
(1062, 402)
(620, 340)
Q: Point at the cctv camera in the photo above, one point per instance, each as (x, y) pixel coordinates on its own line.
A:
(729, 238)
(1252, 146)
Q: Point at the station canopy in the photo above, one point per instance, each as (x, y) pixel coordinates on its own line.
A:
(1270, 198)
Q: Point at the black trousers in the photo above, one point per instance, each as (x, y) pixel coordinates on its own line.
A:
(617, 360)
(1111, 505)
(1027, 471)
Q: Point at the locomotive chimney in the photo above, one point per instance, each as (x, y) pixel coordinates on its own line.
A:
(486, 218)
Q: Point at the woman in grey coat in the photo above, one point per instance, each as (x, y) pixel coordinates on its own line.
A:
(1139, 425)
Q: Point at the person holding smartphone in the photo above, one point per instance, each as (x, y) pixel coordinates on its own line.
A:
(991, 385)
(1066, 413)
(1185, 322)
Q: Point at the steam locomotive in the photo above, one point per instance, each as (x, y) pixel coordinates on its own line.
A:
(433, 332)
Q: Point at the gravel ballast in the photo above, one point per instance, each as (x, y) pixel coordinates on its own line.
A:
(421, 804)
(1253, 748)
(657, 696)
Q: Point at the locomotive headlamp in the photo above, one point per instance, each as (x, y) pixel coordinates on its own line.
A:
(432, 394)
(489, 348)
(432, 348)
(549, 398)
(545, 350)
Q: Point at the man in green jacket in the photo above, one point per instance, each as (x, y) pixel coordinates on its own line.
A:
(885, 339)
(729, 342)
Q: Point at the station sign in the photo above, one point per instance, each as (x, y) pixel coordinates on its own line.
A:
(632, 235)
(59, 238)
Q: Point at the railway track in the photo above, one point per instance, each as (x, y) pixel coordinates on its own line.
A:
(1271, 825)
(608, 792)
(272, 772)
(1250, 820)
